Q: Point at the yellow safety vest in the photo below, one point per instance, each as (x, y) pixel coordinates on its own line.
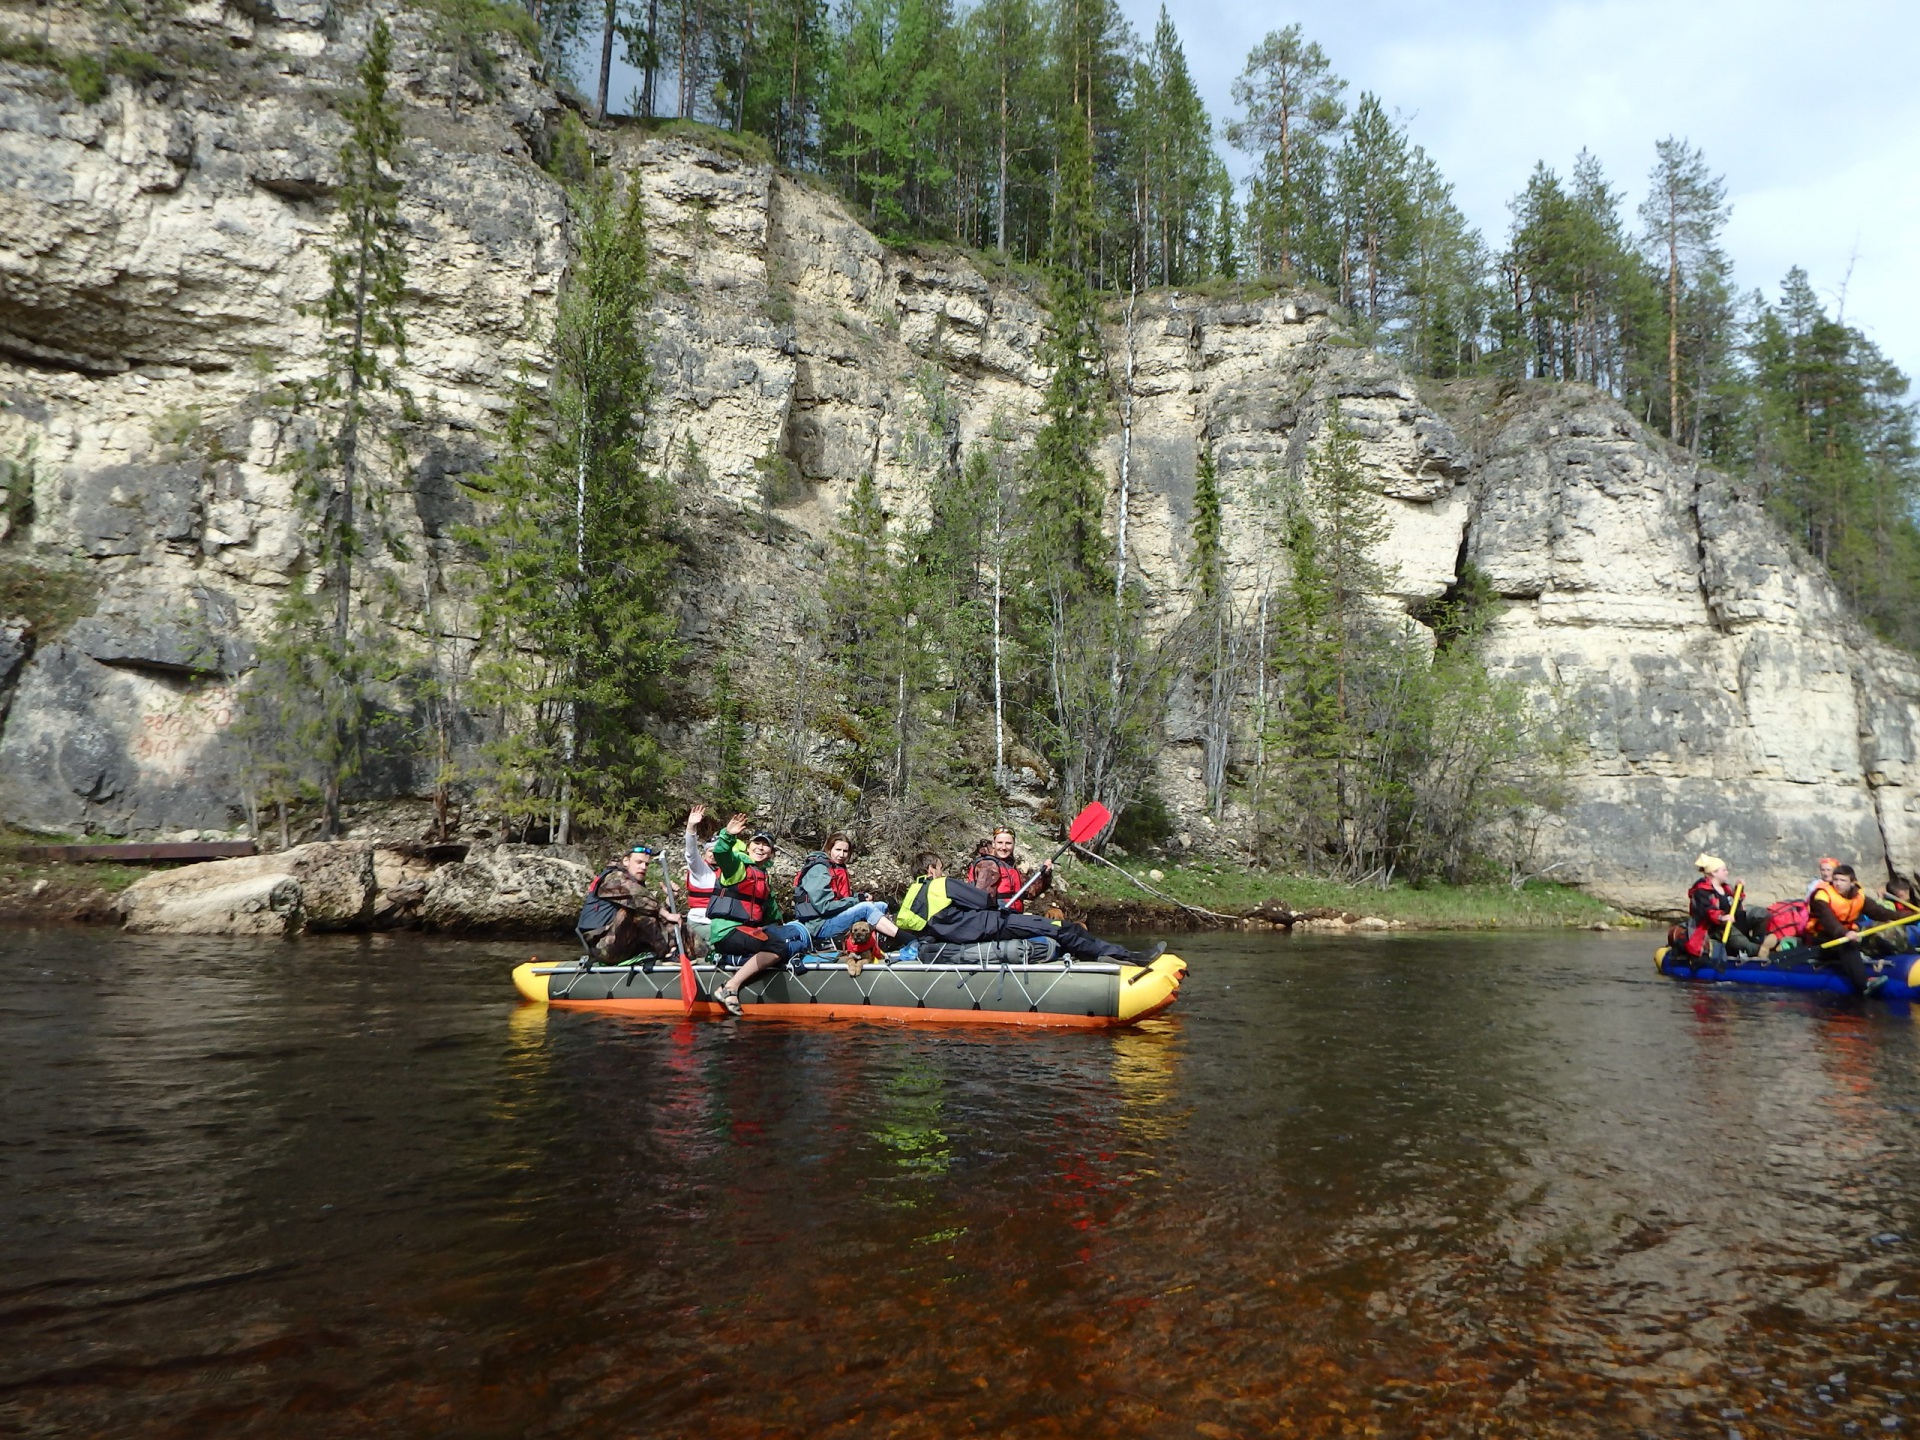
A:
(925, 899)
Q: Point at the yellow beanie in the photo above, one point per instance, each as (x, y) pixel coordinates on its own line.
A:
(1706, 864)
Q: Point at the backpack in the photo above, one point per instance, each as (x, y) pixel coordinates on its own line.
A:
(804, 909)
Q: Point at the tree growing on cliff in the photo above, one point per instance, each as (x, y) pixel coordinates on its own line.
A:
(314, 700)
(1292, 102)
(576, 637)
(1389, 750)
(1683, 214)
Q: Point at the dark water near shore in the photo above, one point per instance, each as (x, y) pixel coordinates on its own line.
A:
(1395, 1186)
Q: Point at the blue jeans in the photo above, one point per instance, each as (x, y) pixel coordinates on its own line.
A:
(793, 935)
(834, 926)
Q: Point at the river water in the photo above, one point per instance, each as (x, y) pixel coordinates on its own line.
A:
(1399, 1186)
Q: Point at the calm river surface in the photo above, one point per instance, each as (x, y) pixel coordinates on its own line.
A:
(1396, 1186)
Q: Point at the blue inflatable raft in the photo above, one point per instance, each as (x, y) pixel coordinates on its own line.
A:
(1787, 972)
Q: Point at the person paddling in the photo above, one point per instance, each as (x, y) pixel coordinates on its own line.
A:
(1000, 861)
(954, 912)
(1834, 910)
(1905, 940)
(1710, 906)
(620, 918)
(744, 918)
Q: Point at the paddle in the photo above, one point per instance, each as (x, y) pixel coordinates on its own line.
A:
(1087, 824)
(687, 982)
(1862, 934)
(1733, 910)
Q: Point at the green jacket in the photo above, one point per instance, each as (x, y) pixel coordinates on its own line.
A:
(730, 863)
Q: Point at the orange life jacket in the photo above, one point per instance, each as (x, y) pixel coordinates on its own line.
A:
(1845, 911)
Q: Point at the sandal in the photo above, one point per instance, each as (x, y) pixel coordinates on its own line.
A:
(728, 998)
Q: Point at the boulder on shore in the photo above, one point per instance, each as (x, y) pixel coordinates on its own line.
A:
(508, 890)
(327, 886)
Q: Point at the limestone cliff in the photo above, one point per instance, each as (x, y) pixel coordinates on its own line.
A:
(159, 251)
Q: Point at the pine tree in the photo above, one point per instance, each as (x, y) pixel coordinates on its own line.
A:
(1292, 101)
(1683, 214)
(1375, 208)
(1216, 680)
(1445, 283)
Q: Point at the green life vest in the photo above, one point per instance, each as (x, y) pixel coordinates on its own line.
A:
(925, 899)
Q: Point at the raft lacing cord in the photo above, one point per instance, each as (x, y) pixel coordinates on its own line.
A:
(962, 980)
(1157, 894)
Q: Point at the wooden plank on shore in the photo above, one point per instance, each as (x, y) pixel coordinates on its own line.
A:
(134, 854)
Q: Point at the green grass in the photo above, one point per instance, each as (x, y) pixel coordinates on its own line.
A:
(1235, 891)
(17, 874)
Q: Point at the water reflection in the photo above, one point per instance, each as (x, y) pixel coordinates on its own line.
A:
(1398, 1186)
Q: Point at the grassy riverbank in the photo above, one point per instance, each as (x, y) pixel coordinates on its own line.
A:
(1233, 891)
(58, 890)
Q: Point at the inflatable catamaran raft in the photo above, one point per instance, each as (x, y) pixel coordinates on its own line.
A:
(1788, 970)
(1008, 982)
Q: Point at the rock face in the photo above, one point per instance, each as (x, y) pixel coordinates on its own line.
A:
(509, 890)
(160, 253)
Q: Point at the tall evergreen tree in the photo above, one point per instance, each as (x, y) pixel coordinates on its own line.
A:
(1683, 215)
(577, 640)
(1292, 102)
(315, 697)
(1375, 210)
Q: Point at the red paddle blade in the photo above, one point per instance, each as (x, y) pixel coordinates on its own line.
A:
(687, 986)
(1089, 823)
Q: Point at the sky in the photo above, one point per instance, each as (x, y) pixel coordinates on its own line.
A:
(1810, 110)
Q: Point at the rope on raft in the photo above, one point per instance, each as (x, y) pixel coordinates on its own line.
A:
(1157, 894)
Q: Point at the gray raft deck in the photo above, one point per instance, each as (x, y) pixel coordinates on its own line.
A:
(1089, 990)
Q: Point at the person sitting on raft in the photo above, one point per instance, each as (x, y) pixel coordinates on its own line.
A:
(1000, 862)
(701, 879)
(1834, 913)
(1825, 867)
(1905, 940)
(1709, 908)
(824, 902)
(743, 918)
(953, 912)
(620, 919)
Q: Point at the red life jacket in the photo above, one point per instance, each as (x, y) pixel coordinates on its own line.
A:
(839, 884)
(745, 900)
(1009, 883)
(698, 896)
(1719, 905)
